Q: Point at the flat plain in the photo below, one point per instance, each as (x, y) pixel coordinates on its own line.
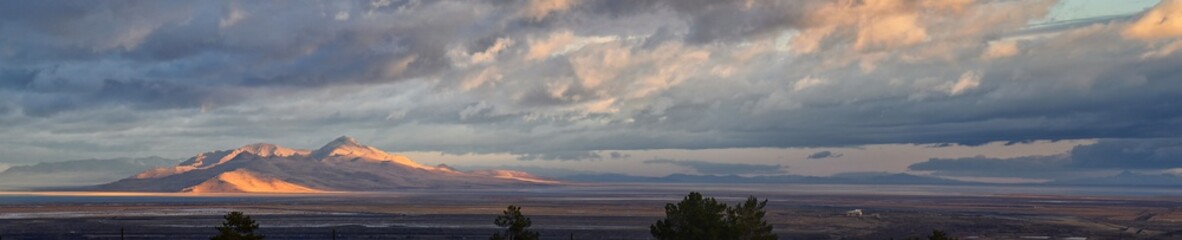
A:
(617, 211)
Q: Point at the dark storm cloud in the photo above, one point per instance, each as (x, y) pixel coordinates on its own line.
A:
(1107, 154)
(712, 168)
(48, 31)
(1129, 154)
(16, 78)
(940, 145)
(6, 109)
(140, 94)
(193, 52)
(618, 155)
(1028, 167)
(823, 155)
(712, 21)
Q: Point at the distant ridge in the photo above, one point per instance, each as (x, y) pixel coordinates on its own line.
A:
(1126, 178)
(77, 172)
(877, 178)
(340, 165)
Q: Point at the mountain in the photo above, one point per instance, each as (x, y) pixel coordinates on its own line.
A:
(341, 165)
(78, 172)
(1126, 178)
(865, 178)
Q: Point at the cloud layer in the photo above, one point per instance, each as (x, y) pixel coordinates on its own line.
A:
(823, 155)
(564, 80)
(1105, 156)
(712, 168)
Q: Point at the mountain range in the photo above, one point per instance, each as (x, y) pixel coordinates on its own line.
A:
(864, 178)
(340, 165)
(1126, 178)
(78, 172)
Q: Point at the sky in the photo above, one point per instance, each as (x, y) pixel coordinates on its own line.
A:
(1003, 90)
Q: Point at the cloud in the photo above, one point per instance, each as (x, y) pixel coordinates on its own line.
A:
(1107, 155)
(980, 166)
(1163, 153)
(1000, 49)
(618, 155)
(233, 16)
(545, 172)
(564, 156)
(823, 155)
(571, 155)
(1162, 21)
(576, 79)
(807, 82)
(967, 81)
(540, 48)
(712, 168)
(538, 9)
(873, 25)
(488, 55)
(17, 78)
(128, 93)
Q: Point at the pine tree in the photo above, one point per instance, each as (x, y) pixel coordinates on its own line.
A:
(698, 217)
(695, 217)
(238, 226)
(940, 235)
(516, 225)
(746, 220)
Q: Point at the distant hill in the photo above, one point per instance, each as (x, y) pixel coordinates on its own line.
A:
(341, 165)
(78, 172)
(868, 178)
(1127, 178)
(1123, 179)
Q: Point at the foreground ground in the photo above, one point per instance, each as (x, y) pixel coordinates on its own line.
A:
(608, 212)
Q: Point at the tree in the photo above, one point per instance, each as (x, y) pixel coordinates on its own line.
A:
(940, 235)
(695, 217)
(515, 225)
(238, 226)
(698, 217)
(747, 222)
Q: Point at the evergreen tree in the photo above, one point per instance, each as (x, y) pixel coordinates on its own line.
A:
(515, 225)
(746, 220)
(695, 217)
(238, 226)
(698, 217)
(940, 235)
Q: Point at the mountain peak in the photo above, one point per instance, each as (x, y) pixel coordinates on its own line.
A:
(209, 159)
(342, 142)
(346, 146)
(268, 150)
